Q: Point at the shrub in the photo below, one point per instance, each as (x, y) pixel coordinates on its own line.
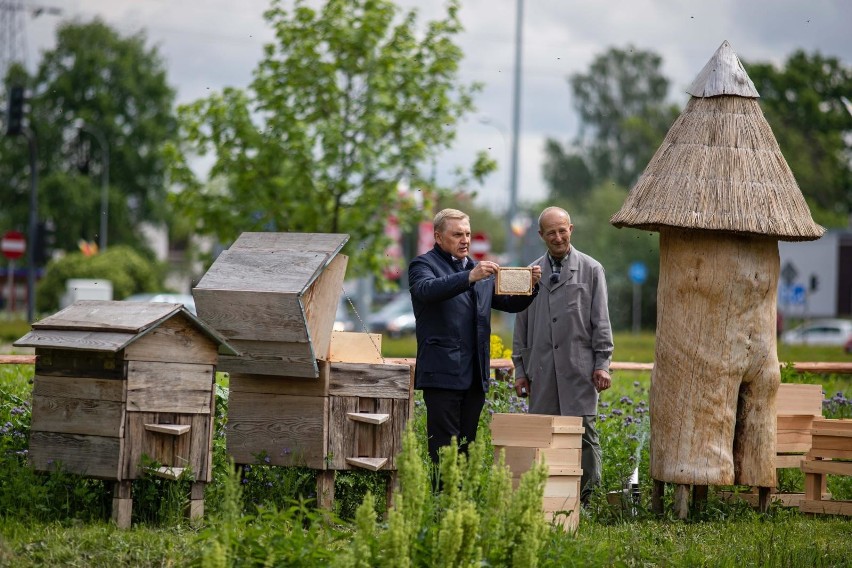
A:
(129, 272)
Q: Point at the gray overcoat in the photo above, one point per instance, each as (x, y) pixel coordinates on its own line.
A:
(563, 337)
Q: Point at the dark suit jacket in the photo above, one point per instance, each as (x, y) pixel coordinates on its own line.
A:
(453, 321)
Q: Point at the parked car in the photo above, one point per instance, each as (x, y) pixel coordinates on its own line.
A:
(820, 332)
(186, 299)
(396, 318)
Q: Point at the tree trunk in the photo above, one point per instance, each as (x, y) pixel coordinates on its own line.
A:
(716, 369)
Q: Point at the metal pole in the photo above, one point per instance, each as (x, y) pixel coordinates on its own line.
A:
(637, 307)
(104, 223)
(33, 223)
(516, 123)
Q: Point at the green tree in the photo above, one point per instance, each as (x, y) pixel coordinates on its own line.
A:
(623, 119)
(802, 102)
(117, 86)
(348, 100)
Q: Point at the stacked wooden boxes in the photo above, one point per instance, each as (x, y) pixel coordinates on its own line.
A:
(299, 393)
(528, 439)
(832, 441)
(120, 382)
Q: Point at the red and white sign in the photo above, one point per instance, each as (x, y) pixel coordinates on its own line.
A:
(480, 246)
(13, 245)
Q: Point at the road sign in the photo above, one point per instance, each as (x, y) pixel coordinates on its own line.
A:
(480, 246)
(638, 272)
(793, 295)
(13, 245)
(788, 273)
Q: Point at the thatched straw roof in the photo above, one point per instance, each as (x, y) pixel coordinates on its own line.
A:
(720, 167)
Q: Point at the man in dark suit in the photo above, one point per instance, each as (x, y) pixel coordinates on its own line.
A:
(453, 297)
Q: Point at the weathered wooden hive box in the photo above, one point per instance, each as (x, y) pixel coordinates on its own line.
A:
(556, 441)
(116, 381)
(299, 393)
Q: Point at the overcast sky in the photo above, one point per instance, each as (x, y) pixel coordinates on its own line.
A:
(211, 44)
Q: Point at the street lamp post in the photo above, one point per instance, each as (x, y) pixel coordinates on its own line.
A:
(82, 126)
(516, 122)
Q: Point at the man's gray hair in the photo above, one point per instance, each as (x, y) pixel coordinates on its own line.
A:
(444, 214)
(550, 210)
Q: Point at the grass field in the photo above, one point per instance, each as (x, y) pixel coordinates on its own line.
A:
(62, 521)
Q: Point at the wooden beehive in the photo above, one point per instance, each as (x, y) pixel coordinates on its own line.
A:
(528, 439)
(116, 381)
(830, 454)
(300, 394)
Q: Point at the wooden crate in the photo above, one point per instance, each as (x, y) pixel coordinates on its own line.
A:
(832, 441)
(119, 383)
(528, 439)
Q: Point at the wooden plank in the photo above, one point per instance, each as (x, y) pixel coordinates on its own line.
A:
(568, 430)
(201, 446)
(799, 399)
(786, 462)
(320, 303)
(17, 359)
(793, 438)
(401, 410)
(534, 430)
(562, 486)
(410, 361)
(369, 418)
(825, 466)
(68, 363)
(365, 434)
(826, 507)
(384, 446)
(64, 415)
(169, 387)
(101, 315)
(296, 386)
(139, 442)
(122, 512)
(355, 347)
(291, 430)
(372, 381)
(253, 316)
(830, 454)
(79, 387)
(521, 459)
(167, 472)
(75, 340)
(554, 504)
(170, 429)
(271, 358)
(325, 489)
(555, 470)
(283, 272)
(177, 340)
(821, 443)
(91, 456)
(329, 243)
(723, 75)
(342, 433)
(842, 426)
(372, 464)
(804, 423)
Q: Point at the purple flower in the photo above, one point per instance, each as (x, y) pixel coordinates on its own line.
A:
(617, 412)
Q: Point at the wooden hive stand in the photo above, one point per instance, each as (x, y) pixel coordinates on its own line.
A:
(832, 441)
(528, 439)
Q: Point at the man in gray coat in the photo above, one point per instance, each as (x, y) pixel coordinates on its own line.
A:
(562, 345)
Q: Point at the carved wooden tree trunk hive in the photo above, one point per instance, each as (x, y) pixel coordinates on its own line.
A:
(721, 195)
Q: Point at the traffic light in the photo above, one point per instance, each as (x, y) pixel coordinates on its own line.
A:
(45, 240)
(814, 282)
(15, 111)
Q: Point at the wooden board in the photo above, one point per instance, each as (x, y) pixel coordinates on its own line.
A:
(272, 384)
(356, 347)
(282, 272)
(92, 456)
(96, 364)
(562, 486)
(78, 416)
(800, 423)
(535, 430)
(302, 242)
(253, 316)
(366, 380)
(796, 399)
(372, 464)
(291, 430)
(100, 315)
(826, 507)
(827, 467)
(177, 340)
(520, 459)
(320, 303)
(271, 358)
(75, 340)
(171, 429)
(342, 432)
(169, 387)
(79, 387)
(193, 451)
(790, 441)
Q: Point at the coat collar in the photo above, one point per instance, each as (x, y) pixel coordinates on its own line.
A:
(570, 265)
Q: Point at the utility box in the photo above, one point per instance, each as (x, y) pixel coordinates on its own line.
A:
(85, 289)
(119, 383)
(301, 394)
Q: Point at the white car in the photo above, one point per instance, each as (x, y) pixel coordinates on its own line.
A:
(819, 332)
(186, 299)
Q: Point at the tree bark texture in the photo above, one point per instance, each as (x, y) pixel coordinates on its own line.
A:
(716, 371)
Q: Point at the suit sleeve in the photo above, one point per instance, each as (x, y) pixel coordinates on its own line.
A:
(427, 287)
(519, 344)
(513, 304)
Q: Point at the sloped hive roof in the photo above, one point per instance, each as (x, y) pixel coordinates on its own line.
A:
(96, 325)
(719, 167)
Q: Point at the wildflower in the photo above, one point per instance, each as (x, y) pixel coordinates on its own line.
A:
(601, 417)
(286, 451)
(267, 459)
(636, 384)
(617, 412)
(626, 400)
(604, 405)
